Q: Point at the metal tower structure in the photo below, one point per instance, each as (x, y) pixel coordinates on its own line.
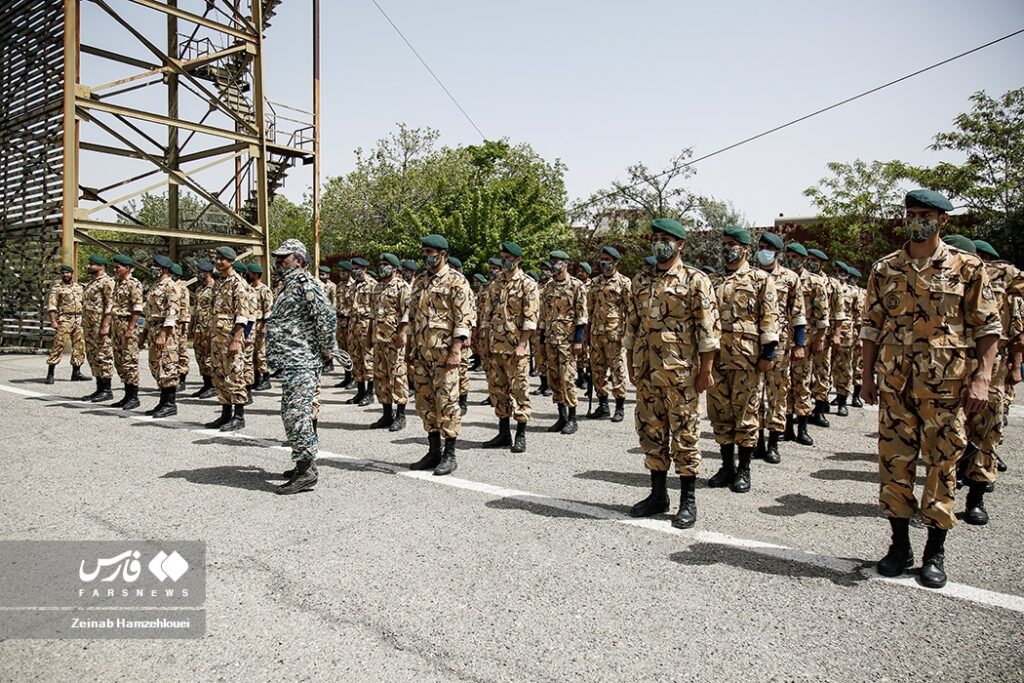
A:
(139, 96)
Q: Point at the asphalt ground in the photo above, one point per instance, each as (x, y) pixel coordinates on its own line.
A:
(516, 568)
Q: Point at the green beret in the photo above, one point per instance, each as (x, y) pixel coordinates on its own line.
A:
(361, 262)
(205, 266)
(613, 252)
(817, 253)
(586, 267)
(512, 248)
(985, 248)
(842, 266)
(455, 263)
(240, 267)
(434, 242)
(741, 235)
(227, 252)
(176, 269)
(324, 269)
(346, 265)
(124, 260)
(411, 265)
(929, 199)
(162, 261)
(797, 248)
(669, 227)
(256, 268)
(533, 274)
(546, 265)
(481, 278)
(495, 261)
(960, 242)
(559, 255)
(65, 268)
(772, 240)
(392, 259)
(372, 273)
(854, 272)
(650, 260)
(98, 260)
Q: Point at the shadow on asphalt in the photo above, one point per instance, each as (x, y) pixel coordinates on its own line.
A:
(230, 441)
(249, 478)
(362, 466)
(640, 479)
(352, 426)
(846, 475)
(706, 554)
(853, 457)
(542, 507)
(793, 504)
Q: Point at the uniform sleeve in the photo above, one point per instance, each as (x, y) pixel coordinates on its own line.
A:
(268, 302)
(52, 302)
(531, 307)
(404, 296)
(239, 302)
(632, 315)
(462, 310)
(874, 310)
(324, 318)
(981, 309)
(108, 297)
(580, 306)
(840, 303)
(704, 308)
(821, 304)
(171, 306)
(136, 297)
(795, 305)
(769, 324)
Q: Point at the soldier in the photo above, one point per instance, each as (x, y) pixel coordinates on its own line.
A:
(331, 290)
(609, 293)
(479, 285)
(821, 379)
(360, 344)
(816, 311)
(342, 306)
(563, 322)
(248, 338)
(389, 333)
(97, 304)
(184, 322)
(858, 345)
(202, 328)
(926, 304)
(467, 348)
(300, 337)
(514, 315)
(672, 334)
(844, 337)
(161, 312)
(748, 307)
(583, 373)
(792, 341)
(126, 311)
(409, 270)
(264, 303)
(441, 319)
(65, 311)
(230, 316)
(484, 307)
(538, 353)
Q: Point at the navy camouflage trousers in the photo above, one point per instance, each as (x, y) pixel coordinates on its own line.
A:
(297, 389)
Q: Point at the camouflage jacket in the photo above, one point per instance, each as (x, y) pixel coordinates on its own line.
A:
(184, 303)
(789, 291)
(925, 315)
(749, 311)
(343, 298)
(162, 304)
(441, 310)
(361, 302)
(390, 309)
(816, 301)
(98, 299)
(845, 314)
(66, 299)
(607, 301)
(203, 317)
(230, 304)
(331, 290)
(300, 328)
(127, 297)
(514, 309)
(563, 308)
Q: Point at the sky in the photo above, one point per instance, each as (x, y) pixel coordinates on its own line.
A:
(602, 85)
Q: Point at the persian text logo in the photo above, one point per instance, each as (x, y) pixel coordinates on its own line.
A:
(164, 566)
(126, 564)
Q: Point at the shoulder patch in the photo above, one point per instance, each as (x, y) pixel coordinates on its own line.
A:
(310, 296)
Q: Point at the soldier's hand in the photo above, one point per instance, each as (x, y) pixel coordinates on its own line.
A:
(705, 381)
(764, 365)
(105, 330)
(453, 360)
(977, 395)
(818, 346)
(577, 349)
(160, 340)
(868, 390)
(234, 347)
(799, 352)
(53, 325)
(1014, 376)
(520, 350)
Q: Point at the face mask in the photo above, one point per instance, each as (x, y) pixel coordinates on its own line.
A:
(791, 263)
(606, 266)
(557, 268)
(732, 254)
(920, 230)
(358, 274)
(385, 271)
(765, 257)
(813, 266)
(432, 261)
(495, 273)
(154, 271)
(508, 264)
(663, 251)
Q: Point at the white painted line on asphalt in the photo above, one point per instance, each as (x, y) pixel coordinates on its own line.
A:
(838, 565)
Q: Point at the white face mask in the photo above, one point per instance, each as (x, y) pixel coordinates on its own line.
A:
(765, 257)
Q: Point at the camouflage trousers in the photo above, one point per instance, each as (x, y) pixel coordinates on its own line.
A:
(316, 401)
(909, 429)
(561, 362)
(733, 405)
(985, 428)
(360, 350)
(228, 368)
(69, 330)
(606, 359)
(509, 387)
(163, 363)
(183, 362)
(858, 363)
(777, 390)
(248, 358)
(540, 357)
(481, 342)
(467, 352)
(126, 349)
(390, 374)
(821, 383)
(298, 386)
(842, 370)
(1009, 396)
(201, 350)
(260, 349)
(667, 422)
(437, 392)
(799, 400)
(341, 336)
(98, 348)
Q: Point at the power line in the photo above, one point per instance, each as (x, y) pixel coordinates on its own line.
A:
(427, 67)
(803, 118)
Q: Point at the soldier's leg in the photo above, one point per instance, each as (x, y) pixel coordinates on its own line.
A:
(599, 365)
(248, 358)
(822, 375)
(77, 342)
(398, 392)
(446, 400)
(91, 332)
(153, 354)
(317, 405)
(568, 369)
(464, 371)
(382, 372)
(617, 367)
(421, 375)
(60, 340)
(985, 430)
(801, 378)
(842, 370)
(777, 393)
(183, 363)
(519, 390)
(720, 406)
(652, 424)
(898, 441)
(298, 389)
(943, 440)
(684, 429)
(221, 363)
(499, 385)
(261, 354)
(745, 406)
(104, 354)
(168, 361)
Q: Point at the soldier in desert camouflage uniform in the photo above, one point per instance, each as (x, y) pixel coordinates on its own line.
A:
(844, 336)
(484, 307)
(184, 322)
(821, 376)
(202, 328)
(342, 304)
(64, 307)
(467, 348)
(609, 294)
(858, 345)
(230, 316)
(264, 298)
(389, 332)
(816, 311)
(538, 352)
(584, 380)
(563, 322)
(161, 312)
(97, 304)
(360, 344)
(126, 311)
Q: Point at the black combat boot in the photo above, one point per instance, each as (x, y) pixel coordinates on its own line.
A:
(727, 472)
(817, 418)
(835, 401)
(933, 569)
(360, 392)
(386, 419)
(399, 422)
(158, 406)
(900, 555)
(504, 437)
(105, 394)
(225, 416)
(686, 517)
(655, 503)
(974, 511)
(542, 390)
(447, 464)
(802, 437)
(762, 447)
(262, 383)
(825, 406)
(601, 412)
(181, 382)
(305, 477)
(570, 422)
(49, 374)
(288, 474)
(790, 433)
(248, 396)
(433, 456)
(198, 393)
(346, 382)
(620, 410)
(841, 409)
(741, 482)
(546, 389)
(1000, 465)
(856, 401)
(170, 404)
(486, 401)
(76, 374)
(368, 397)
(519, 443)
(475, 365)
(557, 427)
(237, 420)
(772, 456)
(463, 403)
(131, 397)
(89, 397)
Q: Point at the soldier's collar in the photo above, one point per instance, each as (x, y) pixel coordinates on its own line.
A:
(743, 267)
(440, 271)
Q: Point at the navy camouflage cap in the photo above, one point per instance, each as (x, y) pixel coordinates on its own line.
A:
(292, 247)
(928, 199)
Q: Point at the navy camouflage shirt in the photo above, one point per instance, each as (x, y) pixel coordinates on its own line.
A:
(301, 325)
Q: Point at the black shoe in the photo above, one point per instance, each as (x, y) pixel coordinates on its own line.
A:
(234, 424)
(386, 419)
(360, 392)
(181, 383)
(225, 416)
(933, 570)
(77, 376)
(741, 482)
(545, 391)
(790, 433)
(433, 456)
(835, 401)
(170, 404)
(519, 443)
(771, 456)
(601, 412)
(89, 397)
(368, 396)
(570, 422)
(263, 383)
(486, 401)
(305, 477)
(447, 464)
(131, 397)
(856, 401)
(504, 437)
(655, 503)
(841, 409)
(727, 472)
(159, 405)
(276, 373)
(802, 437)
(974, 511)
(198, 393)
(346, 382)
(105, 394)
(620, 410)
(686, 516)
(399, 422)
(463, 403)
(248, 396)
(49, 374)
(762, 446)
(817, 418)
(1000, 465)
(560, 423)
(825, 408)
(900, 555)
(288, 474)
(540, 391)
